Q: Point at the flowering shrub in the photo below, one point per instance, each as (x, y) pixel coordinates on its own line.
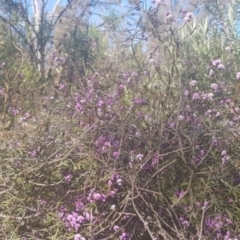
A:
(142, 152)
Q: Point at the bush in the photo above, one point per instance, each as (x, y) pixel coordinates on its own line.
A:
(147, 152)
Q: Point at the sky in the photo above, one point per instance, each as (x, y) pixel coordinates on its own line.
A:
(122, 8)
(124, 3)
(96, 19)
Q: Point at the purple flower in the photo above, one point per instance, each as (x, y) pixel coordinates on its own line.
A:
(224, 152)
(61, 86)
(100, 103)
(205, 205)
(54, 54)
(13, 110)
(69, 217)
(87, 216)
(154, 161)
(103, 197)
(140, 156)
(78, 106)
(211, 73)
(238, 75)
(216, 62)
(169, 16)
(171, 125)
(125, 236)
(186, 92)
(32, 153)
(193, 83)
(139, 101)
(210, 96)
(227, 236)
(188, 17)
(59, 61)
(116, 228)
(180, 117)
(119, 182)
(68, 178)
(76, 226)
(80, 219)
(167, 13)
(152, 61)
(225, 159)
(114, 176)
(202, 152)
(112, 193)
(195, 96)
(214, 86)
(229, 221)
(221, 67)
(74, 214)
(107, 144)
(110, 183)
(78, 205)
(79, 237)
(115, 154)
(137, 134)
(96, 196)
(179, 194)
(185, 223)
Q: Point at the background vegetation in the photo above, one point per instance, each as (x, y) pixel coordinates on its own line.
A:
(124, 130)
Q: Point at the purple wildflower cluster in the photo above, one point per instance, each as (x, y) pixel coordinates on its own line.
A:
(144, 153)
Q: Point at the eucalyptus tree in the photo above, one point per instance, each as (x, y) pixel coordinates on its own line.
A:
(38, 28)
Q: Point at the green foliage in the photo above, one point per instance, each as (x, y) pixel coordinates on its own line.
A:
(129, 142)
